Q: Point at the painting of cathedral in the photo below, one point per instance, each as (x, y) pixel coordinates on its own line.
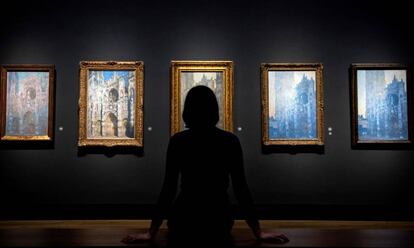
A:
(382, 105)
(292, 104)
(292, 100)
(213, 80)
(217, 75)
(111, 101)
(28, 94)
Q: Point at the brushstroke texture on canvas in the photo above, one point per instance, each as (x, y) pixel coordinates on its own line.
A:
(111, 101)
(27, 103)
(382, 105)
(292, 105)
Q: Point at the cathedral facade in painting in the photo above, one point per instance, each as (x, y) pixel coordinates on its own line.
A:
(292, 95)
(27, 103)
(111, 101)
(382, 105)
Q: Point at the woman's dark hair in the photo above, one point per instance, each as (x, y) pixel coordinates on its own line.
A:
(200, 108)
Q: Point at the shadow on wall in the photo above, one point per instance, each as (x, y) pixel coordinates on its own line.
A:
(293, 149)
(110, 151)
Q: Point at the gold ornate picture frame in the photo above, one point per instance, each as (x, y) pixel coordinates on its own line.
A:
(111, 103)
(217, 75)
(292, 104)
(27, 102)
(381, 107)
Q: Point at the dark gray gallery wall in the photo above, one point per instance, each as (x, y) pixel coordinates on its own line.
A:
(335, 33)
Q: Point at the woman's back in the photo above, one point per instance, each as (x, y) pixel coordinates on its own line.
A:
(204, 159)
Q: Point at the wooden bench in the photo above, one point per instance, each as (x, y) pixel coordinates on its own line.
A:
(104, 233)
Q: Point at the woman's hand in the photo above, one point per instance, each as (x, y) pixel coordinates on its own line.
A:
(273, 237)
(137, 238)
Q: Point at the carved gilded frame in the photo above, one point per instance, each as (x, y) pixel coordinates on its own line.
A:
(85, 67)
(177, 67)
(353, 70)
(318, 68)
(51, 100)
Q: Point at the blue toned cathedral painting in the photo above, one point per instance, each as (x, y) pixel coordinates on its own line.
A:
(111, 101)
(27, 105)
(213, 80)
(382, 105)
(292, 105)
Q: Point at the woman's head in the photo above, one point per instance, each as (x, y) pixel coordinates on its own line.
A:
(200, 108)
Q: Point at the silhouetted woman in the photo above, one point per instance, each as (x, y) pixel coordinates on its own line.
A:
(205, 158)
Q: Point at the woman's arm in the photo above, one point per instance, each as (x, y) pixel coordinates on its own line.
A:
(169, 188)
(241, 188)
(244, 197)
(165, 199)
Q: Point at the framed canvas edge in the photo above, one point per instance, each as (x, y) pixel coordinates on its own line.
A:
(318, 68)
(355, 142)
(138, 67)
(176, 66)
(51, 69)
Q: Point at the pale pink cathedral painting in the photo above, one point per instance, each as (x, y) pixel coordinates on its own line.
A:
(27, 103)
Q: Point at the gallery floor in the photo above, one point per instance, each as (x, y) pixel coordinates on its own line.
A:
(100, 233)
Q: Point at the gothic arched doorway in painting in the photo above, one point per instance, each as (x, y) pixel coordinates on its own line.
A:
(110, 127)
(97, 128)
(15, 126)
(128, 131)
(29, 127)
